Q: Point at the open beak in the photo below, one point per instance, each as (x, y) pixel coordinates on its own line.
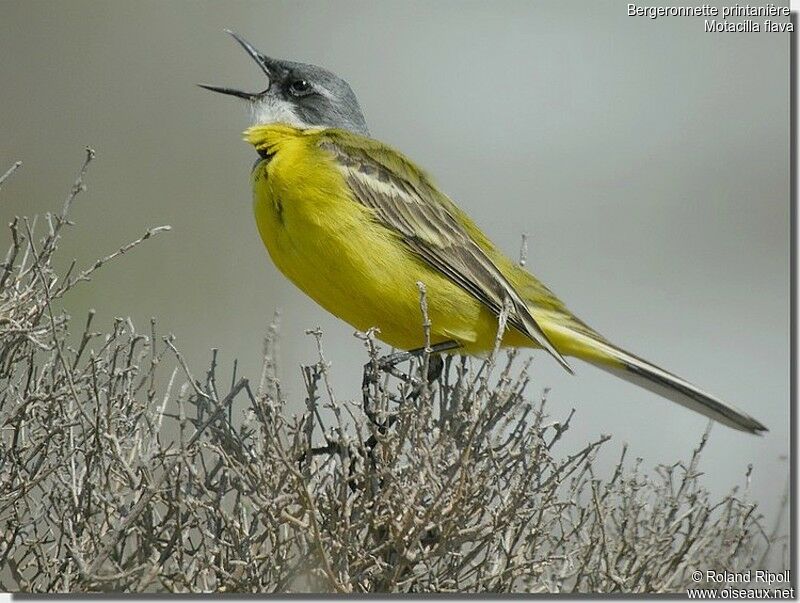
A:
(267, 65)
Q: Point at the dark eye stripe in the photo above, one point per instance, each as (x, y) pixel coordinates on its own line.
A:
(300, 87)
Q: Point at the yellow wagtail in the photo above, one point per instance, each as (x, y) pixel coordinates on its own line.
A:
(356, 225)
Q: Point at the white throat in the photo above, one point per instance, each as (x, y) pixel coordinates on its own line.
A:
(270, 110)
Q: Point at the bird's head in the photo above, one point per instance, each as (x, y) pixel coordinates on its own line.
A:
(300, 95)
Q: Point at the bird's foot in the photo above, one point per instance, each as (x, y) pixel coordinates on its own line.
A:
(388, 364)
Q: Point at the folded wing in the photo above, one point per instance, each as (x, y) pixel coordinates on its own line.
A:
(405, 201)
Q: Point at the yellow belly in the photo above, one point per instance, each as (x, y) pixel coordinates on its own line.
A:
(330, 246)
(327, 244)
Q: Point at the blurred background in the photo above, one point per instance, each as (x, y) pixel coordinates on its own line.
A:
(648, 161)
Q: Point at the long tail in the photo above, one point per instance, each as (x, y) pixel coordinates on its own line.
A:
(625, 365)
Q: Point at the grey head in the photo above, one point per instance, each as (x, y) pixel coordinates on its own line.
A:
(299, 94)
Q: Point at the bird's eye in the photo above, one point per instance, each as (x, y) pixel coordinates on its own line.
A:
(300, 87)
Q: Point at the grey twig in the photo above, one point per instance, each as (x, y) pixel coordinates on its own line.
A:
(121, 471)
(9, 172)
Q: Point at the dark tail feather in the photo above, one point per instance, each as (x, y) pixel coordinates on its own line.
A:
(665, 384)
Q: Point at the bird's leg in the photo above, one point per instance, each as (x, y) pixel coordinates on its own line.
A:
(372, 371)
(388, 363)
(435, 368)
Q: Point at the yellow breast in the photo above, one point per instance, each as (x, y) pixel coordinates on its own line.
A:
(328, 245)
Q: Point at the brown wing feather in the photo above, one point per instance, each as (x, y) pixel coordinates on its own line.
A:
(412, 208)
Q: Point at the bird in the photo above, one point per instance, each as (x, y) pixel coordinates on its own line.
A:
(356, 225)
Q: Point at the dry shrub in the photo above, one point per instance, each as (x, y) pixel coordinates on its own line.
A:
(114, 477)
